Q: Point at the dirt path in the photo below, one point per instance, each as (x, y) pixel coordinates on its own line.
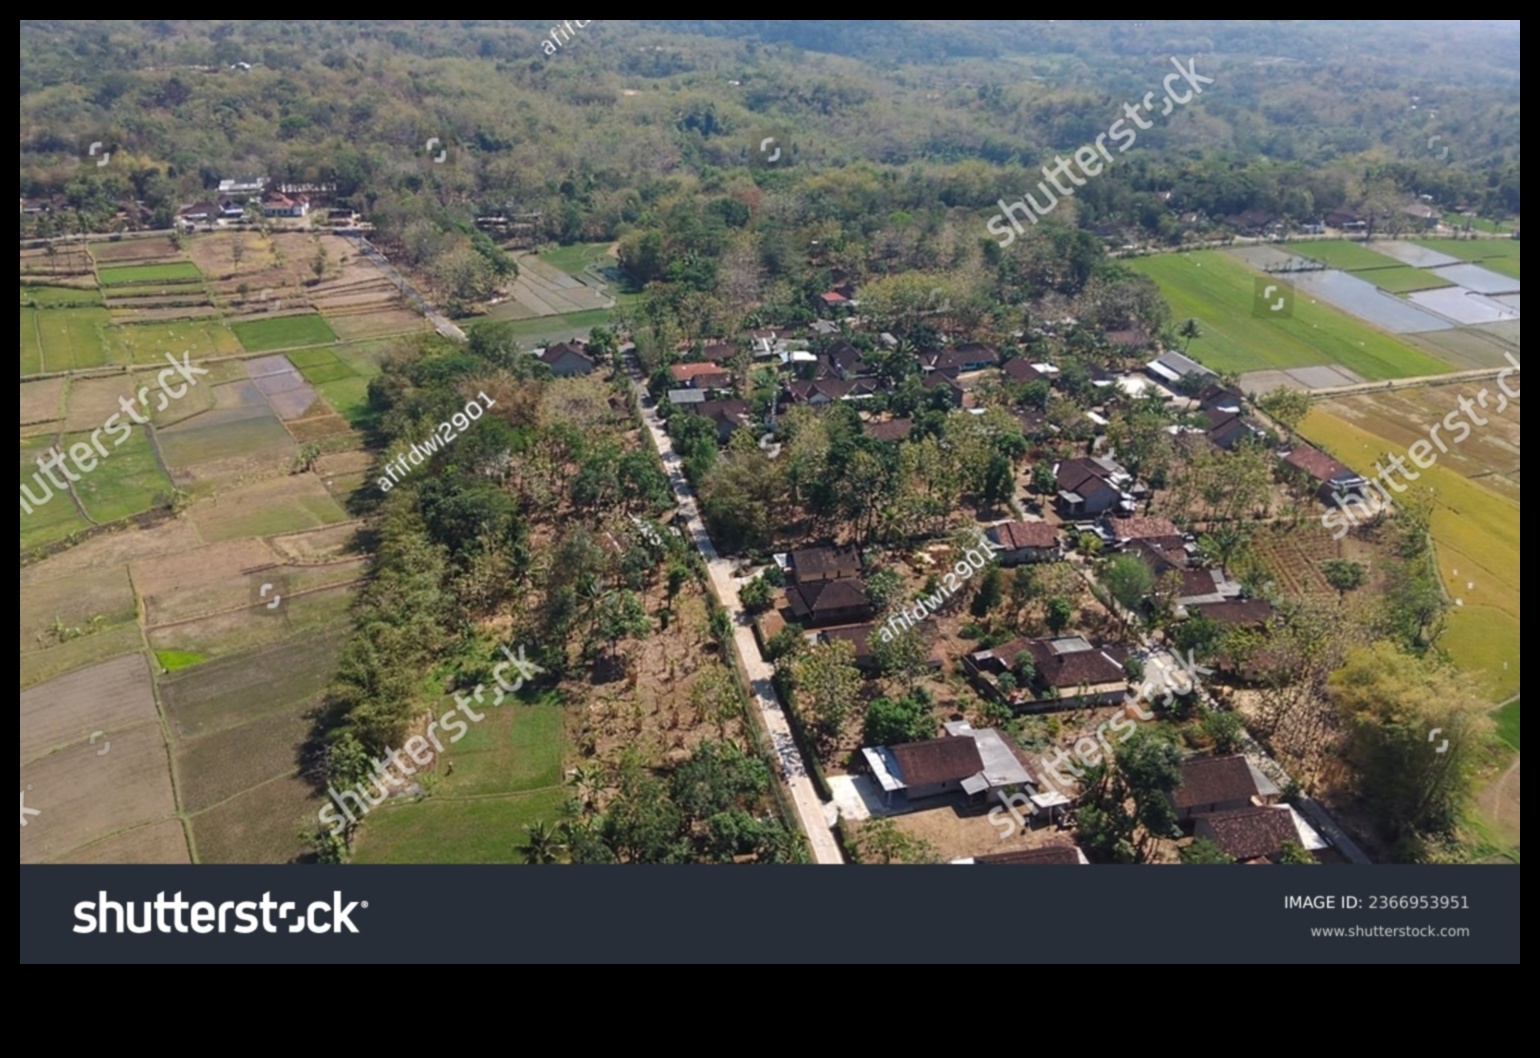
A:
(1501, 803)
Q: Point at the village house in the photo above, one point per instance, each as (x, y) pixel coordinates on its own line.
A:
(1019, 371)
(891, 432)
(1174, 368)
(730, 416)
(957, 396)
(701, 376)
(973, 763)
(821, 564)
(278, 204)
(1253, 835)
(243, 187)
(860, 639)
(1021, 543)
(963, 360)
(1334, 480)
(1089, 488)
(1221, 784)
(568, 360)
(1068, 673)
(836, 602)
(829, 391)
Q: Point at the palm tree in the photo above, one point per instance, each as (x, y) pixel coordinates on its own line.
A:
(587, 780)
(1191, 332)
(543, 848)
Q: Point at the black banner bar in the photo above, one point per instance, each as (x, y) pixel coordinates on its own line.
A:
(893, 915)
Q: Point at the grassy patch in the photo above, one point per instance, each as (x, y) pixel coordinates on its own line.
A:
(126, 483)
(575, 259)
(1219, 292)
(31, 351)
(1405, 280)
(285, 332)
(177, 660)
(554, 328)
(1499, 255)
(57, 518)
(1481, 224)
(136, 275)
(1348, 256)
(60, 297)
(439, 831)
(72, 338)
(148, 343)
(1508, 724)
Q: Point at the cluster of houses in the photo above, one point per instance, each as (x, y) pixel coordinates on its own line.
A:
(239, 197)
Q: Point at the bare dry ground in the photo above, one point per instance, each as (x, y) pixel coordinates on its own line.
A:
(159, 844)
(85, 797)
(114, 697)
(51, 611)
(258, 826)
(198, 582)
(267, 508)
(42, 402)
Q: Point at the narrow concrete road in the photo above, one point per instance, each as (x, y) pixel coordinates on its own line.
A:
(817, 819)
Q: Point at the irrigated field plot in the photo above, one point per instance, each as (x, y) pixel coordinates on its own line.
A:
(283, 332)
(1220, 293)
(1348, 256)
(61, 297)
(1499, 255)
(109, 698)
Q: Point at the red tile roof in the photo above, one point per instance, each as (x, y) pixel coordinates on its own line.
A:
(1215, 780)
(1020, 536)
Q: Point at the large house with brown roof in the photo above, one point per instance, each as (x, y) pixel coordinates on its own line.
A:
(1252, 835)
(1334, 480)
(974, 763)
(835, 602)
(568, 360)
(1021, 543)
(827, 391)
(1221, 784)
(730, 416)
(1068, 673)
(701, 376)
(819, 564)
(1089, 488)
(962, 360)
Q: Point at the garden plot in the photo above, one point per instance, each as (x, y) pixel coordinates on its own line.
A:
(75, 606)
(1364, 300)
(41, 402)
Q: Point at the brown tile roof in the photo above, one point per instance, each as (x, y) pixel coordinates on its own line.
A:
(1245, 614)
(1058, 856)
(826, 562)
(859, 637)
(1317, 464)
(1252, 833)
(1162, 555)
(897, 430)
(719, 353)
(1145, 529)
(689, 372)
(725, 412)
(1215, 780)
(1019, 536)
(830, 596)
(833, 388)
(1134, 338)
(943, 760)
(1066, 672)
(1021, 371)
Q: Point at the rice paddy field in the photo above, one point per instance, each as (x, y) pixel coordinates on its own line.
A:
(1220, 293)
(1475, 521)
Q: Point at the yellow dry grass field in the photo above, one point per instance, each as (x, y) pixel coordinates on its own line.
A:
(1475, 527)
